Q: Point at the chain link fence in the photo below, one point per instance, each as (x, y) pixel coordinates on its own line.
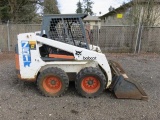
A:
(9, 32)
(110, 38)
(150, 40)
(127, 39)
(117, 38)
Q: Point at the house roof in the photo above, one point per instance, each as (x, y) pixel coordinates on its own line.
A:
(125, 6)
(92, 18)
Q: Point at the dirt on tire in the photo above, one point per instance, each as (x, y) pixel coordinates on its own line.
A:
(84, 76)
(60, 79)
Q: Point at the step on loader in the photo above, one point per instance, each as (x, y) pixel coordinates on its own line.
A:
(61, 52)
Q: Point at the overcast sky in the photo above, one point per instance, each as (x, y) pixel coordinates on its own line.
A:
(69, 6)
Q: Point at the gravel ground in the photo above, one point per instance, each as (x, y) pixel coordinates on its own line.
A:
(21, 100)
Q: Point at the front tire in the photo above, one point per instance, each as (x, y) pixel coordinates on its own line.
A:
(90, 82)
(53, 82)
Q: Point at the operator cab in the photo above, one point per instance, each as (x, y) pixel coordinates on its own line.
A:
(67, 28)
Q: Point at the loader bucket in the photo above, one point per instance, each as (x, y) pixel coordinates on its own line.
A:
(123, 87)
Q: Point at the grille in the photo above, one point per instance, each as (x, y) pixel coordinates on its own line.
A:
(68, 30)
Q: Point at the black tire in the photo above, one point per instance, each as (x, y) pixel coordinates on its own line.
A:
(53, 82)
(90, 82)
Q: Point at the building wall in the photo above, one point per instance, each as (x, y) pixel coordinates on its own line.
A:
(93, 23)
(113, 20)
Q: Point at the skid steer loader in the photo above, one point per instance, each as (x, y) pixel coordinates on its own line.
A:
(61, 53)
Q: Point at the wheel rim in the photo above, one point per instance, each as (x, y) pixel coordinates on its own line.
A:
(52, 84)
(90, 84)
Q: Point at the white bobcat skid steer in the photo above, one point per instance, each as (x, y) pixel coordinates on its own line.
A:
(61, 54)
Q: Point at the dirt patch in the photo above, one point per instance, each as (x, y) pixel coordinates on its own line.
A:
(6, 56)
(22, 100)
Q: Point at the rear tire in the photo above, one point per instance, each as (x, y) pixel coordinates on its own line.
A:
(53, 82)
(90, 82)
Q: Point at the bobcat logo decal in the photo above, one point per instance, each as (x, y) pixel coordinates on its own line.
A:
(78, 53)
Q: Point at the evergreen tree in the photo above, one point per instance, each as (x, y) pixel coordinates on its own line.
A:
(50, 7)
(25, 11)
(111, 8)
(88, 7)
(17, 11)
(4, 11)
(79, 7)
